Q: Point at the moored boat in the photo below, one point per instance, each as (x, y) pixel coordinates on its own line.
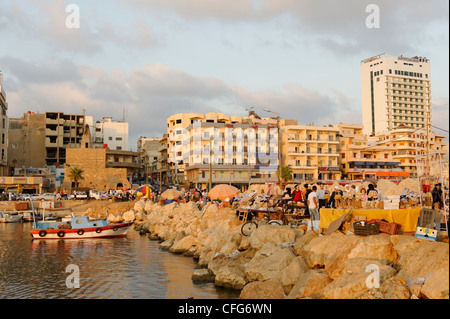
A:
(10, 217)
(78, 227)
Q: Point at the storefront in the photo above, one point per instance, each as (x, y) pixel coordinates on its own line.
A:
(28, 185)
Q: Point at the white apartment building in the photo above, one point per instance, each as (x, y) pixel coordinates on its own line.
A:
(109, 134)
(395, 91)
(220, 148)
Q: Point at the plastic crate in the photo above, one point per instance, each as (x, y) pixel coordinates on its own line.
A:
(365, 228)
(389, 228)
(429, 218)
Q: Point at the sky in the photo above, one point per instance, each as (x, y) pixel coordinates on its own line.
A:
(147, 60)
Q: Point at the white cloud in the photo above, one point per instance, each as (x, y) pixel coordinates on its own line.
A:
(150, 94)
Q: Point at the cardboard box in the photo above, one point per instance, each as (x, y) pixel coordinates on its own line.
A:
(426, 233)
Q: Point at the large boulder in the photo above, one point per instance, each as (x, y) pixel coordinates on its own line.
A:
(327, 250)
(129, 216)
(358, 278)
(268, 263)
(269, 289)
(183, 245)
(271, 234)
(139, 206)
(310, 285)
(115, 218)
(292, 273)
(424, 263)
(377, 247)
(230, 277)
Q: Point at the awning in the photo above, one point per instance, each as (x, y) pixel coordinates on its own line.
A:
(389, 174)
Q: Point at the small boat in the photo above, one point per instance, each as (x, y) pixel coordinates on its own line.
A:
(10, 217)
(77, 228)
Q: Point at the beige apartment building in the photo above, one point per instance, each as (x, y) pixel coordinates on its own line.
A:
(396, 90)
(148, 152)
(311, 151)
(3, 130)
(361, 161)
(410, 144)
(26, 145)
(62, 131)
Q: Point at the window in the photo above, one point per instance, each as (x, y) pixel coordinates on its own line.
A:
(178, 121)
(118, 138)
(110, 138)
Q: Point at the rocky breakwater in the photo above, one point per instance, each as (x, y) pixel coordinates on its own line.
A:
(281, 262)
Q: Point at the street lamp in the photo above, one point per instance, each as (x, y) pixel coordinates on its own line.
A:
(279, 150)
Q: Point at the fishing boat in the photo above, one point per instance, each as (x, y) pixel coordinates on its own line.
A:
(10, 217)
(78, 227)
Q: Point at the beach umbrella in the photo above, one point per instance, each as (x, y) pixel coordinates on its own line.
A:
(223, 191)
(171, 194)
(144, 190)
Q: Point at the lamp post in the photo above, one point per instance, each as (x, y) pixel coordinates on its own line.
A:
(279, 150)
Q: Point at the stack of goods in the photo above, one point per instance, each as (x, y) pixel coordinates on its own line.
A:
(392, 202)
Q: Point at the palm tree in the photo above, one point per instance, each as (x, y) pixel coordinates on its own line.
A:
(76, 174)
(286, 173)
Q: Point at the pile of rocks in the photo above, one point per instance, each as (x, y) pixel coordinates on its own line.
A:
(282, 262)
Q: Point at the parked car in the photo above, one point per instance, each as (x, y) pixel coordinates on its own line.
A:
(80, 195)
(47, 196)
(30, 197)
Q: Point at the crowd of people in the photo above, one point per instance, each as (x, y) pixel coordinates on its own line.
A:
(323, 196)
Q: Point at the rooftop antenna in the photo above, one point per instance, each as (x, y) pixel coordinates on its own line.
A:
(125, 114)
(83, 111)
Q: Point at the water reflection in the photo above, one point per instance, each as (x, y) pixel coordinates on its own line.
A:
(110, 268)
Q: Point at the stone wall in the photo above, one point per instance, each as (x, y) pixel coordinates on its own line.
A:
(95, 173)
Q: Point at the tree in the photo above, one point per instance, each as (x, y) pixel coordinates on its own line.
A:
(76, 174)
(286, 173)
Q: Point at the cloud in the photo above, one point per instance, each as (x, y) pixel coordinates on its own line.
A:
(43, 23)
(339, 26)
(150, 94)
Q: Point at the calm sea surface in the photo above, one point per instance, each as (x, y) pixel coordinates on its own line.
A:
(112, 268)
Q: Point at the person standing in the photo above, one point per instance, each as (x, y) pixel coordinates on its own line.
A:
(313, 205)
(436, 193)
(321, 196)
(297, 194)
(307, 191)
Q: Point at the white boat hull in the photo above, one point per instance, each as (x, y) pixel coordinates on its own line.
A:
(11, 219)
(119, 230)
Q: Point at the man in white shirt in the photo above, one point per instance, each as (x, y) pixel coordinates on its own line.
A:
(320, 195)
(313, 204)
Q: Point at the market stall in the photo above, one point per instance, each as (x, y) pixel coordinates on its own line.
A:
(406, 217)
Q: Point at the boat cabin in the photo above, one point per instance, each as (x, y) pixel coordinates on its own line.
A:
(73, 223)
